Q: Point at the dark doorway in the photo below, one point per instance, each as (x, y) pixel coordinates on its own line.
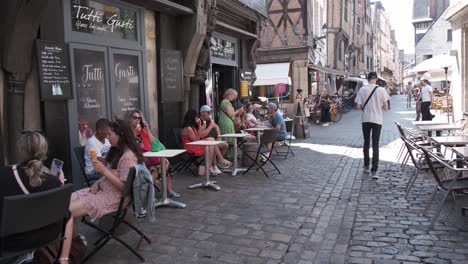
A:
(224, 77)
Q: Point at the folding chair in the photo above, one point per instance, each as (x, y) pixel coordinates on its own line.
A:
(287, 140)
(268, 137)
(79, 153)
(449, 179)
(190, 158)
(33, 221)
(126, 201)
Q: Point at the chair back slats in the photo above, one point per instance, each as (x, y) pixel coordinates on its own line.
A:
(127, 192)
(28, 212)
(79, 153)
(268, 136)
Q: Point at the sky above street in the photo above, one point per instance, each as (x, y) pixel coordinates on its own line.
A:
(400, 14)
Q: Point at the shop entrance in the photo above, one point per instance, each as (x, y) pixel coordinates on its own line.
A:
(223, 78)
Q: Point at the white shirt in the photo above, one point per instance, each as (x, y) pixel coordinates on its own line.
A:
(101, 150)
(373, 112)
(426, 93)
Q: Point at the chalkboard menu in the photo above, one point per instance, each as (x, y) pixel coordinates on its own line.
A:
(98, 18)
(54, 70)
(90, 83)
(171, 76)
(126, 95)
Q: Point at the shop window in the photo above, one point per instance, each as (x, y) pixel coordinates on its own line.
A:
(126, 94)
(90, 83)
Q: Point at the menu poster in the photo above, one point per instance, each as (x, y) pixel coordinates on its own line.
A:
(126, 96)
(54, 70)
(90, 86)
(223, 49)
(171, 76)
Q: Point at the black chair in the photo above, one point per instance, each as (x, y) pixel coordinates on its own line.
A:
(79, 153)
(263, 154)
(287, 141)
(189, 159)
(126, 201)
(33, 221)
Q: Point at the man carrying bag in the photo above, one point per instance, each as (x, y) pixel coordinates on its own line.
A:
(372, 100)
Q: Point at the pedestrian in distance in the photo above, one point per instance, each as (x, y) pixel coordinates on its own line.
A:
(372, 100)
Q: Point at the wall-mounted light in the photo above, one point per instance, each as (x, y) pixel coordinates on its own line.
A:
(324, 32)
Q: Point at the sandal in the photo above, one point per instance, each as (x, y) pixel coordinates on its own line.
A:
(225, 164)
(213, 171)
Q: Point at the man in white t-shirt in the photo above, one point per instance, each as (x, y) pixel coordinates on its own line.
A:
(100, 143)
(372, 115)
(426, 99)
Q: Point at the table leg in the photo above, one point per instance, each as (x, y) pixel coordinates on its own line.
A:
(258, 137)
(207, 182)
(235, 168)
(166, 201)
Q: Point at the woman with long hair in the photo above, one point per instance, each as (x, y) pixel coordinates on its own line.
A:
(148, 142)
(250, 118)
(104, 195)
(191, 132)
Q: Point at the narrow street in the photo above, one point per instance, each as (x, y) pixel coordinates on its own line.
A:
(322, 208)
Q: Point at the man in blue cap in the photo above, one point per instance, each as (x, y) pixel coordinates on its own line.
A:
(277, 121)
(209, 129)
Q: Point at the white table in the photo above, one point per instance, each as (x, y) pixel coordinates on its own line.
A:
(429, 123)
(164, 154)
(451, 140)
(258, 130)
(234, 137)
(207, 182)
(447, 127)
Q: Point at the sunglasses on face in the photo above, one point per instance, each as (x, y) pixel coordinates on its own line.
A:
(136, 117)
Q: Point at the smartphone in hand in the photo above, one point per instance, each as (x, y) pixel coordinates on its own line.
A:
(56, 167)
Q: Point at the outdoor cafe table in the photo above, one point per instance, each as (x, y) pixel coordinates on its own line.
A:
(429, 123)
(258, 130)
(451, 140)
(234, 143)
(447, 127)
(207, 182)
(164, 154)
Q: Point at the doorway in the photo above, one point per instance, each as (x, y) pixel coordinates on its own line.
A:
(223, 78)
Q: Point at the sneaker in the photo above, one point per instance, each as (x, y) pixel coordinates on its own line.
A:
(375, 176)
(366, 169)
(173, 194)
(326, 124)
(217, 170)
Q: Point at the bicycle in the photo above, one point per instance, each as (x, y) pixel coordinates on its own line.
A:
(336, 112)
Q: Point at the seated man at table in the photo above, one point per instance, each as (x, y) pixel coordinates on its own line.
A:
(277, 121)
(101, 144)
(209, 129)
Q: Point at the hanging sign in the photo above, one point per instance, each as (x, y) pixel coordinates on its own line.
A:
(280, 88)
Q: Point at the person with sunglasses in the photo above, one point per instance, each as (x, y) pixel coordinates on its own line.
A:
(148, 142)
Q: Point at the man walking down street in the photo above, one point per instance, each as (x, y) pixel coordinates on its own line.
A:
(426, 99)
(372, 99)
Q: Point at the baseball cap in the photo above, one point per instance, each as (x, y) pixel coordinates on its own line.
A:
(257, 106)
(205, 108)
(372, 75)
(272, 106)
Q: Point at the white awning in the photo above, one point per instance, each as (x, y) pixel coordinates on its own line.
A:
(272, 74)
(327, 70)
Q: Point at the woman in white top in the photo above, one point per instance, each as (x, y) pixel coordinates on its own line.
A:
(251, 119)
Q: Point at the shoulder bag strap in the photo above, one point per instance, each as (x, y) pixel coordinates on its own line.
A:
(18, 180)
(368, 98)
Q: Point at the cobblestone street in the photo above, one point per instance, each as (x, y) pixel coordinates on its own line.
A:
(322, 208)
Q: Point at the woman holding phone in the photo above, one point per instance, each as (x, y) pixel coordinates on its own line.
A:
(146, 140)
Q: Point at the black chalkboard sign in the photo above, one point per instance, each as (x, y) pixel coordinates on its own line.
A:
(54, 70)
(171, 76)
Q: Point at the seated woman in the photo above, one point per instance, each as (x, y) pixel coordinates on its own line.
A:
(145, 140)
(250, 118)
(324, 101)
(104, 195)
(191, 129)
(32, 151)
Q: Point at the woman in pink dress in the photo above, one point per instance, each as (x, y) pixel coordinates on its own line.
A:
(103, 196)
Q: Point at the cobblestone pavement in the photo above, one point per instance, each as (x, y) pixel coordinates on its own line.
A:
(322, 208)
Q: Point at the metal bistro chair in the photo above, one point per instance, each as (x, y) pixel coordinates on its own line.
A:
(190, 158)
(126, 201)
(79, 153)
(261, 150)
(287, 140)
(449, 179)
(33, 221)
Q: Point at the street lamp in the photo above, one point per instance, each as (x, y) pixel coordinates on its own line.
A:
(324, 32)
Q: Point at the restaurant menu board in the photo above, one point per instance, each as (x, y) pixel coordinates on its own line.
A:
(171, 76)
(90, 86)
(126, 96)
(97, 18)
(223, 49)
(54, 70)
